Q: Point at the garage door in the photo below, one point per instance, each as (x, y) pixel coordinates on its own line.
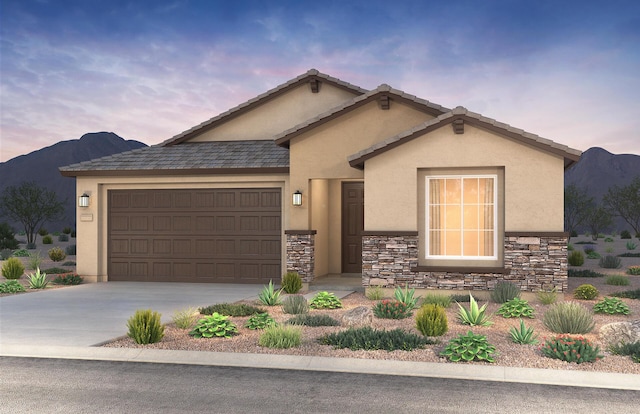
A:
(203, 235)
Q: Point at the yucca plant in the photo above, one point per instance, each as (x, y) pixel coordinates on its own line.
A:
(269, 296)
(474, 316)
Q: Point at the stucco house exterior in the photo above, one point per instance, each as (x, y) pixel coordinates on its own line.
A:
(322, 177)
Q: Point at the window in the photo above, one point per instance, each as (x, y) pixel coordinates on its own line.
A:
(461, 217)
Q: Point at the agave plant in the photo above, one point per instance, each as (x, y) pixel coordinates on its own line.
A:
(269, 296)
(474, 316)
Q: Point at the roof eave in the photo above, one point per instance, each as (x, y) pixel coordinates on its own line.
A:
(174, 172)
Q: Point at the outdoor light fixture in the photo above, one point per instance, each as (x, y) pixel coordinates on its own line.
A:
(83, 200)
(297, 198)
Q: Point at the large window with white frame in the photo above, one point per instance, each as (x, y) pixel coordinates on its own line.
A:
(461, 217)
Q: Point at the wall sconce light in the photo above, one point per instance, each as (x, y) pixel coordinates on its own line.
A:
(297, 198)
(83, 200)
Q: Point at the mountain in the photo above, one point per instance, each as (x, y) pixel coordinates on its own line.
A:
(598, 169)
(42, 165)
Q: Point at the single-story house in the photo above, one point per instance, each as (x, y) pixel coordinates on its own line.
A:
(322, 177)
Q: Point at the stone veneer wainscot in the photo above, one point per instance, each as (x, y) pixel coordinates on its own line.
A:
(301, 253)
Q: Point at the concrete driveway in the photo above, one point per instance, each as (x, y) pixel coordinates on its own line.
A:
(90, 314)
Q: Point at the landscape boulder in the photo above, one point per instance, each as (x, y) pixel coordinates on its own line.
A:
(620, 332)
(362, 315)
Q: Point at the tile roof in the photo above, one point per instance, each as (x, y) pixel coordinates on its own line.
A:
(221, 156)
(310, 74)
(570, 155)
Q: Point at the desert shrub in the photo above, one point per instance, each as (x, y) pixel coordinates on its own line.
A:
(406, 296)
(585, 242)
(568, 317)
(8, 237)
(608, 240)
(43, 232)
(374, 293)
(431, 320)
(629, 255)
(573, 233)
(631, 245)
(547, 297)
(214, 326)
(593, 255)
(73, 234)
(5, 254)
(145, 327)
(11, 286)
(523, 335)
(435, 299)
(31, 246)
(260, 321)
(12, 268)
(66, 230)
(516, 308)
(474, 316)
(34, 260)
(634, 270)
(269, 296)
(295, 305)
(629, 294)
(370, 339)
(571, 349)
(610, 262)
(56, 254)
(589, 249)
(47, 239)
(570, 247)
(69, 263)
(609, 250)
(611, 306)
(37, 280)
(325, 300)
(291, 282)
(584, 273)
(185, 318)
(586, 292)
(313, 320)
(70, 250)
(67, 280)
(576, 258)
(624, 234)
(391, 309)
(56, 270)
(231, 309)
(460, 298)
(63, 237)
(630, 349)
(22, 253)
(505, 291)
(281, 337)
(469, 347)
(617, 280)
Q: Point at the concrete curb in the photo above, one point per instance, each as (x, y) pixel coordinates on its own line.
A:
(346, 365)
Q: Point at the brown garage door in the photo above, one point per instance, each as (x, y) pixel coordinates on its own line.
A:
(204, 235)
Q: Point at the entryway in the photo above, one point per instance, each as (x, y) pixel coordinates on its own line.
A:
(352, 226)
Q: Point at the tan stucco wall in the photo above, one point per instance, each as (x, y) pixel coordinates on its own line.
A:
(278, 114)
(92, 221)
(534, 179)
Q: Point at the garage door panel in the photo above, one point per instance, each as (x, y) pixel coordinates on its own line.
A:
(138, 223)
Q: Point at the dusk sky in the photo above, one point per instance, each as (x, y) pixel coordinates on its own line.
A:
(147, 70)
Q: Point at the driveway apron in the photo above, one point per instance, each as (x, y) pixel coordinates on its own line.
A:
(87, 315)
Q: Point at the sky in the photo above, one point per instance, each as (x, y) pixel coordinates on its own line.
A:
(147, 70)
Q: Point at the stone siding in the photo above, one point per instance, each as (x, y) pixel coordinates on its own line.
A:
(301, 254)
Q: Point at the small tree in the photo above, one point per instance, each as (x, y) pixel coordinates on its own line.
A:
(31, 205)
(598, 220)
(625, 202)
(8, 237)
(576, 207)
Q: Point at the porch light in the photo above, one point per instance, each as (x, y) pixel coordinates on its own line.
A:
(297, 198)
(83, 200)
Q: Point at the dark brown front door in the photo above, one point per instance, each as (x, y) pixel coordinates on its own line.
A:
(352, 226)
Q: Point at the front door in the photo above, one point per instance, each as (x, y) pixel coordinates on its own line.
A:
(352, 226)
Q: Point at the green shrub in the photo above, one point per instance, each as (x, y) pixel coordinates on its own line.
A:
(516, 308)
(66, 230)
(630, 349)
(325, 300)
(460, 298)
(586, 242)
(56, 254)
(8, 237)
(435, 299)
(313, 320)
(571, 349)
(71, 279)
(185, 318)
(589, 249)
(260, 321)
(56, 271)
(634, 270)
(369, 339)
(474, 316)
(523, 335)
(281, 337)
(431, 320)
(391, 309)
(570, 247)
(547, 297)
(12, 268)
(43, 232)
(568, 317)
(629, 255)
(291, 282)
(624, 234)
(70, 250)
(611, 306)
(5, 254)
(593, 255)
(37, 280)
(504, 292)
(406, 297)
(586, 292)
(11, 286)
(631, 245)
(618, 280)
(145, 327)
(22, 253)
(34, 260)
(47, 239)
(69, 263)
(231, 309)
(610, 262)
(469, 347)
(375, 293)
(584, 273)
(269, 296)
(576, 258)
(31, 246)
(608, 240)
(63, 238)
(295, 305)
(214, 326)
(629, 294)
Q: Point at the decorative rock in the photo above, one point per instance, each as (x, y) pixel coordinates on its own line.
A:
(362, 315)
(620, 332)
